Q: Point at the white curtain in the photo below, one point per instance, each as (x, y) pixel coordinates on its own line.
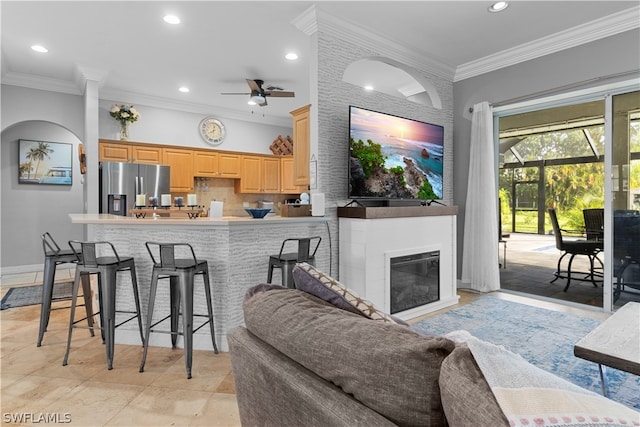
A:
(480, 253)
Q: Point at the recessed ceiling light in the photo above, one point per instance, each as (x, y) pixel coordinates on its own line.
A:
(39, 48)
(498, 6)
(291, 56)
(183, 89)
(368, 87)
(171, 19)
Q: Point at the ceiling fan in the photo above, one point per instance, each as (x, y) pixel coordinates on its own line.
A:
(258, 94)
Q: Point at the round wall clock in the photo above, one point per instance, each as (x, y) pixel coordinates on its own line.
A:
(211, 130)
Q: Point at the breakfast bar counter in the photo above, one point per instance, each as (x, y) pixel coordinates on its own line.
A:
(236, 248)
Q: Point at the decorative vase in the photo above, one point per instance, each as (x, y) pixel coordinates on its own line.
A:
(124, 130)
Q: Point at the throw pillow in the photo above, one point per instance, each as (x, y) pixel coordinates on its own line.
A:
(311, 280)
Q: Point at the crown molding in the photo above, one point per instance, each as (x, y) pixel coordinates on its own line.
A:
(32, 81)
(314, 19)
(307, 21)
(610, 25)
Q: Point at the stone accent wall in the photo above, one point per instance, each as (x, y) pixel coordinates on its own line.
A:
(334, 98)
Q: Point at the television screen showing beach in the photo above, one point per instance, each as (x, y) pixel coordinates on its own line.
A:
(394, 157)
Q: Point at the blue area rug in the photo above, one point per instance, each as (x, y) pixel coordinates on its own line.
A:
(543, 337)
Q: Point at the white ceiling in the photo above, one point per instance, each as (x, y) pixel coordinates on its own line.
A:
(140, 59)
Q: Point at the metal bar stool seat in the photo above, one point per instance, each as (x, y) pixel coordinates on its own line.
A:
(285, 261)
(54, 256)
(106, 266)
(181, 273)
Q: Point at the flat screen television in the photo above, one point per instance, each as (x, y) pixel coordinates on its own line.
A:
(391, 157)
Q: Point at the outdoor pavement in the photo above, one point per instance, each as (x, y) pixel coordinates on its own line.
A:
(530, 267)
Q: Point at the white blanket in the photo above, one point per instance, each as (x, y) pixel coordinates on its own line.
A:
(530, 396)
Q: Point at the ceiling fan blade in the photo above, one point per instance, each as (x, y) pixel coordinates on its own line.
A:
(255, 85)
(280, 94)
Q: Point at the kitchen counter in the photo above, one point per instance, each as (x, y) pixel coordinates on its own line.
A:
(198, 222)
(236, 248)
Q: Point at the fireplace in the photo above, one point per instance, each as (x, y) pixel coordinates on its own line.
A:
(369, 241)
(414, 280)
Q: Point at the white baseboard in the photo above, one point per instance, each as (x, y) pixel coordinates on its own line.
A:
(18, 269)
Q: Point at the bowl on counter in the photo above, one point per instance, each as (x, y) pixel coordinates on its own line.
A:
(258, 213)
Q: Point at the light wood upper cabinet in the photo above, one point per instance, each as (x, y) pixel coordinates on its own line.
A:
(114, 152)
(251, 180)
(146, 154)
(216, 164)
(205, 163)
(181, 162)
(229, 165)
(301, 145)
(130, 153)
(287, 185)
(259, 175)
(270, 175)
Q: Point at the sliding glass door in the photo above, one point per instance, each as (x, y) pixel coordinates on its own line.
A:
(573, 156)
(625, 198)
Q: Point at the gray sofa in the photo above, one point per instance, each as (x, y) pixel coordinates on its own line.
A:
(301, 361)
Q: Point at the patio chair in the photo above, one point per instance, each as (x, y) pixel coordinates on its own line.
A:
(588, 248)
(594, 223)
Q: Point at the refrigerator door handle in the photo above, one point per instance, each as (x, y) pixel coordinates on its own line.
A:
(142, 185)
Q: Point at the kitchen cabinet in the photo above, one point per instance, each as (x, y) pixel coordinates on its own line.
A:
(113, 152)
(205, 163)
(287, 185)
(181, 162)
(216, 164)
(229, 165)
(301, 145)
(146, 154)
(259, 175)
(129, 153)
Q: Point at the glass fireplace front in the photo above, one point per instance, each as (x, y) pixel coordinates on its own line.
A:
(415, 280)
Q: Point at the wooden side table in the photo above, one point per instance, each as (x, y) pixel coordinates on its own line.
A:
(615, 343)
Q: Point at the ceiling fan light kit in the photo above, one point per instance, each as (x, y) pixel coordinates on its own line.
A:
(258, 95)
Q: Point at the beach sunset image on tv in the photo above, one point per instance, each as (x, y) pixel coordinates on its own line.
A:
(394, 158)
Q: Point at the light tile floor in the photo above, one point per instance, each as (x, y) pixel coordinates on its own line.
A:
(34, 383)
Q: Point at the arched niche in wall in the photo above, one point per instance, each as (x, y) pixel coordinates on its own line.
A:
(28, 210)
(393, 78)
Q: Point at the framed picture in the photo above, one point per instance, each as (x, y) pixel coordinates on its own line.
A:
(42, 162)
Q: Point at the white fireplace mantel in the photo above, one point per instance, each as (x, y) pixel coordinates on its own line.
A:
(369, 237)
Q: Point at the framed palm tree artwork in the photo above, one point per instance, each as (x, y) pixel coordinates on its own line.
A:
(44, 162)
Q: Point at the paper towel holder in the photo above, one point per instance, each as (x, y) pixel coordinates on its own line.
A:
(317, 204)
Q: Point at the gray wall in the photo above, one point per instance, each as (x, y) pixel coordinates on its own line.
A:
(609, 56)
(28, 210)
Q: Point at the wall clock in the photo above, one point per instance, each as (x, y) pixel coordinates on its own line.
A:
(212, 130)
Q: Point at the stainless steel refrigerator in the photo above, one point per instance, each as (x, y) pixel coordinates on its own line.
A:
(121, 182)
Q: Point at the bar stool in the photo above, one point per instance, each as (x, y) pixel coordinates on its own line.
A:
(53, 256)
(181, 273)
(106, 267)
(286, 261)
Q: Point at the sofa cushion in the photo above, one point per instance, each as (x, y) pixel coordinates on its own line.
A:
(387, 367)
(309, 279)
(466, 397)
